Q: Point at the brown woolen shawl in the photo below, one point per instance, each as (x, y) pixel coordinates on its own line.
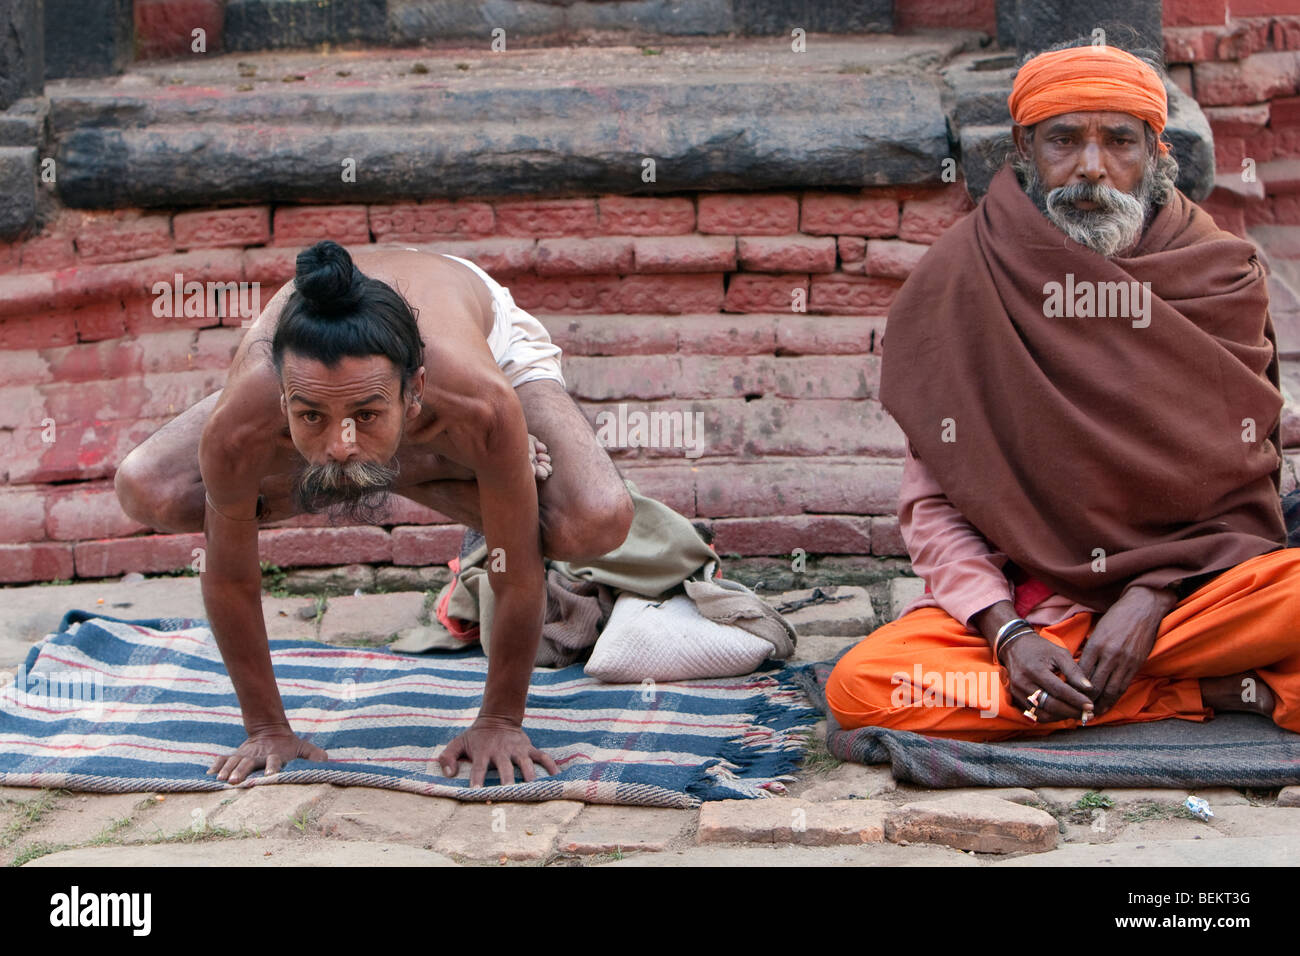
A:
(1081, 433)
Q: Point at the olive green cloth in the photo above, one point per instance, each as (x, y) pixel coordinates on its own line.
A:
(661, 552)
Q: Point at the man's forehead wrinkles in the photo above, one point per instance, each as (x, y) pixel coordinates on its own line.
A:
(368, 385)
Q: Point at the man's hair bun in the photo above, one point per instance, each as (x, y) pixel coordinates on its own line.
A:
(328, 279)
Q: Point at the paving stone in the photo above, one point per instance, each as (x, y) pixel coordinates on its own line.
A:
(1085, 833)
(411, 579)
(1289, 797)
(271, 808)
(513, 831)
(341, 580)
(974, 822)
(1176, 828)
(1237, 821)
(850, 780)
(785, 854)
(1012, 794)
(175, 814)
(852, 617)
(1129, 796)
(1223, 797)
(605, 829)
(268, 852)
(284, 620)
(821, 647)
(386, 816)
(80, 818)
(902, 592)
(1229, 851)
(28, 613)
(787, 820)
(370, 618)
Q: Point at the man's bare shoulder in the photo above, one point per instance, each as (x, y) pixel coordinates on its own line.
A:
(245, 428)
(448, 298)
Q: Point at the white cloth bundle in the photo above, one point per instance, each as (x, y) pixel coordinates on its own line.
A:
(671, 640)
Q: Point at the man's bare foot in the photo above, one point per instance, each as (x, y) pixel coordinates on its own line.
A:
(540, 458)
(1243, 692)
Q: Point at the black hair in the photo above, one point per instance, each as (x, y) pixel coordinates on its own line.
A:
(336, 311)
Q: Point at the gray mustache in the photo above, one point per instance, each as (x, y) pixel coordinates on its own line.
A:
(335, 476)
(1107, 198)
(355, 491)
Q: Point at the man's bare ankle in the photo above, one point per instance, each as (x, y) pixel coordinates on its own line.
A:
(1240, 693)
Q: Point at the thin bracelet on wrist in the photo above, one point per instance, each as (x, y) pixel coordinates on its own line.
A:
(1012, 625)
(1010, 639)
(1007, 626)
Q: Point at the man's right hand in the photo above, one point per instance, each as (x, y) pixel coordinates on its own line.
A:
(1033, 663)
(271, 749)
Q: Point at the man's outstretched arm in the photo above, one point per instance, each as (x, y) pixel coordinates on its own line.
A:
(231, 583)
(507, 485)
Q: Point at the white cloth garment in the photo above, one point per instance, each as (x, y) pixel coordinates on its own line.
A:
(520, 344)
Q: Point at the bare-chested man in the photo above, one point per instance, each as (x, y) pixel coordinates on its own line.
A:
(410, 372)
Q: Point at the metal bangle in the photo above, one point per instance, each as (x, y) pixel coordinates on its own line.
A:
(997, 651)
(1002, 639)
(1007, 626)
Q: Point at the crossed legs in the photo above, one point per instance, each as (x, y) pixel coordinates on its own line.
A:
(1242, 626)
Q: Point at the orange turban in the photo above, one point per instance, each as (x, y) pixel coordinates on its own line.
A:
(1089, 78)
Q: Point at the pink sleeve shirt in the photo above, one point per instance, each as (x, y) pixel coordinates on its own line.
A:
(963, 570)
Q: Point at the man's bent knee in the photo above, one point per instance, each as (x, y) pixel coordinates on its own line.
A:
(152, 498)
(586, 530)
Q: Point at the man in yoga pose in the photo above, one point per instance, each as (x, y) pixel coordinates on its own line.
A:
(1087, 376)
(405, 372)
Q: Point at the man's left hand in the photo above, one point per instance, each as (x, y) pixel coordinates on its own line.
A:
(1121, 642)
(492, 741)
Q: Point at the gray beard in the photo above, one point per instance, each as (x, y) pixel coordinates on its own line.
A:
(354, 492)
(1115, 225)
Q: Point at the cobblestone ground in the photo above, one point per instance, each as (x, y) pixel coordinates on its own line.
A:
(833, 814)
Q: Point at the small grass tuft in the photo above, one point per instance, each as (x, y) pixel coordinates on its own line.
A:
(817, 759)
(35, 851)
(1158, 811)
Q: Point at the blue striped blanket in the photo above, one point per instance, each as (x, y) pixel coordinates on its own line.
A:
(126, 706)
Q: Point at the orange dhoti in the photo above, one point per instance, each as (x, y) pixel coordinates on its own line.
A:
(926, 672)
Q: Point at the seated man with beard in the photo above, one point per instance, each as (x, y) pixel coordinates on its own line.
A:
(345, 389)
(1091, 486)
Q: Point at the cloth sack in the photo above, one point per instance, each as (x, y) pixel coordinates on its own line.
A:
(670, 640)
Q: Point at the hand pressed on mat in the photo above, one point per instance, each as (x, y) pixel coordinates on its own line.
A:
(272, 749)
(494, 742)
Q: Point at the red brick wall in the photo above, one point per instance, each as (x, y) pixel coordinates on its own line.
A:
(1245, 73)
(680, 303)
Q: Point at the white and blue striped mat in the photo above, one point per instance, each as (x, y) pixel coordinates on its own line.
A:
(123, 706)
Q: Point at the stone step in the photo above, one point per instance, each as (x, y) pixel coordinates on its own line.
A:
(586, 117)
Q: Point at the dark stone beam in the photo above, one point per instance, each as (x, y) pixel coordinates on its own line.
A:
(833, 130)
